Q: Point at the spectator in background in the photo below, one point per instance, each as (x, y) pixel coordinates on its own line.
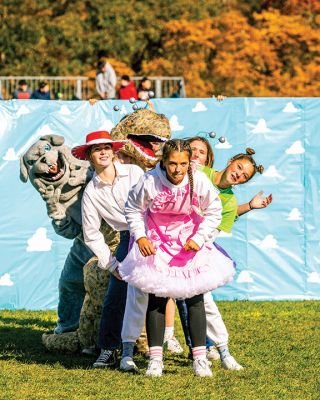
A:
(144, 88)
(127, 89)
(23, 92)
(106, 80)
(43, 93)
(177, 91)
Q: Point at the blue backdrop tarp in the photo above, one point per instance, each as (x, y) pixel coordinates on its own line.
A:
(276, 249)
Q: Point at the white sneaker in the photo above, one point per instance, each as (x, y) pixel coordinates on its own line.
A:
(155, 367)
(231, 364)
(127, 364)
(201, 367)
(213, 354)
(173, 345)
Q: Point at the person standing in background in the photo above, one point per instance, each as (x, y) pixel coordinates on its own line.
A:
(106, 80)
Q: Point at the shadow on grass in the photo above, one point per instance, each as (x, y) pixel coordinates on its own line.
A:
(24, 344)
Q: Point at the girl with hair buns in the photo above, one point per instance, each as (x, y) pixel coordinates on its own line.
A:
(239, 170)
(173, 215)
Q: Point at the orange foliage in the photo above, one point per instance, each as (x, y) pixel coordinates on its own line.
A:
(277, 55)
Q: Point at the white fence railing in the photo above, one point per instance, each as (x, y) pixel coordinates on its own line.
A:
(83, 88)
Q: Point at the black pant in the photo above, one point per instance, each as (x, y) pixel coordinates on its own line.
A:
(156, 320)
(114, 303)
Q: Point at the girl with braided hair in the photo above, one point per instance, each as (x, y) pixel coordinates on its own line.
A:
(173, 214)
(239, 170)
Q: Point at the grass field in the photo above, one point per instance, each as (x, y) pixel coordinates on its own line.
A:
(277, 342)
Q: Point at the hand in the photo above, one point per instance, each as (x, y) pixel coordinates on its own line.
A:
(220, 97)
(151, 106)
(260, 202)
(191, 245)
(116, 274)
(146, 247)
(92, 102)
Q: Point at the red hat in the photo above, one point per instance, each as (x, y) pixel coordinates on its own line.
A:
(96, 138)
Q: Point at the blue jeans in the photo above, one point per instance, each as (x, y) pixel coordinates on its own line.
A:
(114, 303)
(183, 312)
(71, 287)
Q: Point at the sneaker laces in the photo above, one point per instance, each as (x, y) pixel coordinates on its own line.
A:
(202, 362)
(105, 355)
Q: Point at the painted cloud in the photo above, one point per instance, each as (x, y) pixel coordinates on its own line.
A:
(272, 172)
(261, 127)
(199, 107)
(295, 148)
(5, 280)
(174, 124)
(294, 215)
(245, 277)
(313, 277)
(45, 130)
(225, 145)
(23, 110)
(123, 110)
(10, 155)
(268, 242)
(290, 108)
(39, 241)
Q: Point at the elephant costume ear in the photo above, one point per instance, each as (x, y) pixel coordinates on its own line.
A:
(23, 170)
(55, 140)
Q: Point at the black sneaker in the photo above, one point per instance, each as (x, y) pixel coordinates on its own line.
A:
(107, 358)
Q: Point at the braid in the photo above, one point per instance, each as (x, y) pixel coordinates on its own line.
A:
(180, 146)
(190, 176)
(248, 156)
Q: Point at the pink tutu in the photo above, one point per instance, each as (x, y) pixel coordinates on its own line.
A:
(172, 271)
(205, 270)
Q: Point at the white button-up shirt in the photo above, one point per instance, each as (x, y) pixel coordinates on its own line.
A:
(106, 201)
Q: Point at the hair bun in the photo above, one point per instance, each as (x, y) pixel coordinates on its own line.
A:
(250, 151)
(260, 168)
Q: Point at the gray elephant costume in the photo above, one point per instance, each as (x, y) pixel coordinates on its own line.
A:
(60, 178)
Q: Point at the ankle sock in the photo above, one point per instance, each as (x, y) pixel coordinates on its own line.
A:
(223, 351)
(156, 352)
(199, 353)
(168, 333)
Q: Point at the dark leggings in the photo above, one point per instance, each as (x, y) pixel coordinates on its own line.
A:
(183, 312)
(156, 320)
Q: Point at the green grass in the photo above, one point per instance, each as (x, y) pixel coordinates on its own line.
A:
(277, 342)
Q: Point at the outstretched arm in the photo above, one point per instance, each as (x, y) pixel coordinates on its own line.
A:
(255, 203)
